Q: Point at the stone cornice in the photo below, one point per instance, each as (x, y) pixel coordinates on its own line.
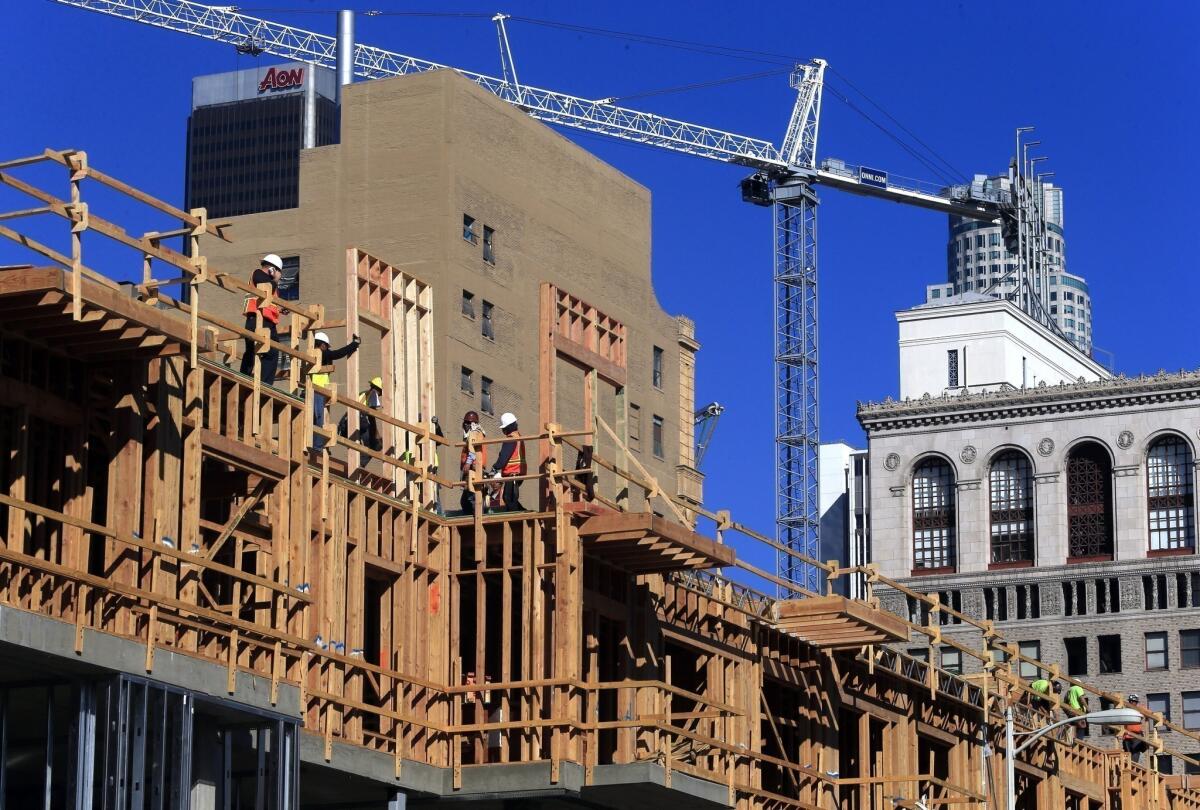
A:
(1044, 400)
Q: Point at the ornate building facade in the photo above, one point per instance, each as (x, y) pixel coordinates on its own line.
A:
(1065, 514)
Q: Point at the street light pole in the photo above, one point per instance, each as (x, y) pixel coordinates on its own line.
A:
(1108, 717)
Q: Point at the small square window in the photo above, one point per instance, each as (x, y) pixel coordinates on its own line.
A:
(1030, 649)
(466, 381)
(487, 328)
(489, 245)
(1189, 648)
(1110, 654)
(952, 660)
(485, 396)
(635, 428)
(469, 229)
(1076, 655)
(1191, 710)
(657, 438)
(1156, 651)
(658, 367)
(468, 304)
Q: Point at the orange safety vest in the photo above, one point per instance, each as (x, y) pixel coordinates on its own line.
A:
(270, 313)
(516, 463)
(481, 453)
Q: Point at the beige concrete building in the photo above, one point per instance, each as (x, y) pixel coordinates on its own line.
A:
(456, 188)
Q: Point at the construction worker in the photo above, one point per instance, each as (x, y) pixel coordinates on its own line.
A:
(321, 378)
(1130, 736)
(1077, 703)
(368, 427)
(467, 459)
(511, 462)
(267, 273)
(1044, 693)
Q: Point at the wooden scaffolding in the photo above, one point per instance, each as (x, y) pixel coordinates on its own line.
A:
(151, 492)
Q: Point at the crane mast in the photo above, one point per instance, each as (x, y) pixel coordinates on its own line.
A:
(784, 179)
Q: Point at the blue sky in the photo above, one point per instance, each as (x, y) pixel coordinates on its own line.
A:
(1110, 88)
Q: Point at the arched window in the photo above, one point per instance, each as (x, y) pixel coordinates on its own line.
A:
(933, 515)
(1169, 494)
(1089, 502)
(1011, 493)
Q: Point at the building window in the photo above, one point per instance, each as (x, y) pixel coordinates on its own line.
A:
(657, 437)
(952, 660)
(1011, 492)
(1074, 598)
(933, 515)
(1029, 602)
(657, 368)
(1169, 494)
(952, 368)
(485, 396)
(1110, 654)
(1032, 650)
(1089, 502)
(1108, 595)
(635, 428)
(468, 304)
(469, 229)
(1154, 592)
(994, 240)
(995, 604)
(466, 382)
(489, 245)
(289, 279)
(920, 653)
(1189, 649)
(1156, 651)
(1053, 296)
(1076, 649)
(487, 328)
(1191, 710)
(1159, 703)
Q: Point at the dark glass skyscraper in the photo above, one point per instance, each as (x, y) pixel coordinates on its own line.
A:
(245, 134)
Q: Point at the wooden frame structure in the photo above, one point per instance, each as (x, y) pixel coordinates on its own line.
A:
(172, 501)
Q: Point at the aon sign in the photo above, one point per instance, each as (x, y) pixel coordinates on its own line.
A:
(281, 79)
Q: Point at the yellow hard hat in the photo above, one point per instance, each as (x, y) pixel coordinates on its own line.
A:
(377, 382)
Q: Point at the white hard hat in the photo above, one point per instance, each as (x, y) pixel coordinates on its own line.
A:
(273, 260)
(321, 337)
(507, 419)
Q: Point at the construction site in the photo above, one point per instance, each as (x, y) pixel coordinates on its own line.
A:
(202, 608)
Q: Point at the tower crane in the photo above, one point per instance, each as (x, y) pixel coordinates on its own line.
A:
(785, 178)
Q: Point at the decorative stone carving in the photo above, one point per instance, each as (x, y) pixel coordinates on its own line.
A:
(968, 454)
(1125, 440)
(891, 462)
(1046, 446)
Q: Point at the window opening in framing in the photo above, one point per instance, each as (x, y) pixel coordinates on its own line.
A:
(1169, 495)
(1011, 494)
(933, 515)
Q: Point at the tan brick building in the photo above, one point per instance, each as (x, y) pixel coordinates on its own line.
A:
(441, 180)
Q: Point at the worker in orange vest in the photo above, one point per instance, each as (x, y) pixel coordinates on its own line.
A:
(268, 272)
(1133, 745)
(510, 464)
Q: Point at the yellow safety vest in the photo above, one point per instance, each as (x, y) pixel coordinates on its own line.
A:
(320, 378)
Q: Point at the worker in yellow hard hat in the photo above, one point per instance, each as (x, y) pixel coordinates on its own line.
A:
(368, 427)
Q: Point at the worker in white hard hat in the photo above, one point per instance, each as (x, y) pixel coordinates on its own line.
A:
(510, 464)
(255, 307)
(320, 377)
